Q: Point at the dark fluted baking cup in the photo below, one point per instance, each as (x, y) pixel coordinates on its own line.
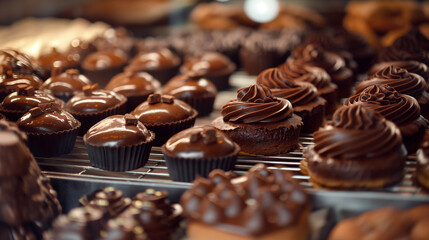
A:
(204, 104)
(102, 76)
(52, 144)
(134, 101)
(186, 169)
(163, 75)
(221, 82)
(90, 119)
(164, 131)
(120, 159)
(12, 115)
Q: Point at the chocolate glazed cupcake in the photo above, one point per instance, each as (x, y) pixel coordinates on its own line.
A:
(332, 63)
(18, 62)
(359, 149)
(401, 109)
(259, 122)
(314, 75)
(303, 95)
(9, 82)
(403, 82)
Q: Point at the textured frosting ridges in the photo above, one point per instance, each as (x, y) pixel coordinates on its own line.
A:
(405, 50)
(411, 66)
(256, 104)
(261, 201)
(357, 133)
(398, 78)
(295, 70)
(398, 108)
(298, 93)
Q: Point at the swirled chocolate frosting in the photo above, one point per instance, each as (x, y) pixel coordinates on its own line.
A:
(398, 108)
(297, 71)
(398, 78)
(298, 93)
(256, 104)
(406, 52)
(411, 66)
(261, 201)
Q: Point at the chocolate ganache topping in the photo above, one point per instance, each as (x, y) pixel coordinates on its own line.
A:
(256, 104)
(398, 78)
(294, 70)
(19, 63)
(298, 93)
(398, 108)
(411, 66)
(261, 201)
(26, 98)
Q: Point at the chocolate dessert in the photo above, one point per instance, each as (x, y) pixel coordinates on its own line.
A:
(18, 62)
(56, 59)
(9, 82)
(411, 66)
(422, 170)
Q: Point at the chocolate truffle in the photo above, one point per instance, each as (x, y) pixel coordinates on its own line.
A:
(162, 64)
(259, 122)
(165, 115)
(261, 204)
(305, 100)
(136, 86)
(93, 104)
(65, 85)
(51, 131)
(198, 150)
(119, 143)
(56, 59)
(194, 89)
(359, 149)
(216, 67)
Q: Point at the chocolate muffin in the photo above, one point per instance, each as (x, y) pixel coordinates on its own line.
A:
(102, 65)
(165, 116)
(18, 62)
(422, 170)
(197, 151)
(29, 203)
(162, 64)
(9, 83)
(216, 67)
(56, 59)
(402, 81)
(262, 204)
(259, 122)
(51, 131)
(25, 98)
(305, 101)
(65, 85)
(401, 109)
(119, 143)
(194, 89)
(93, 104)
(317, 76)
(359, 149)
(136, 86)
(332, 63)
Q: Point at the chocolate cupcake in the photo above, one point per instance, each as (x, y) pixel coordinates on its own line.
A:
(51, 131)
(9, 82)
(401, 109)
(332, 63)
(165, 116)
(402, 81)
(102, 65)
(136, 86)
(25, 98)
(162, 64)
(194, 89)
(18, 62)
(359, 149)
(118, 37)
(93, 104)
(216, 67)
(8, 126)
(65, 85)
(305, 101)
(197, 151)
(56, 59)
(422, 170)
(79, 49)
(261, 204)
(259, 122)
(119, 143)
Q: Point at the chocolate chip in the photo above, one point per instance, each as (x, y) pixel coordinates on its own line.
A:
(36, 111)
(167, 99)
(154, 98)
(72, 72)
(195, 137)
(26, 90)
(88, 89)
(131, 120)
(56, 71)
(209, 136)
(50, 107)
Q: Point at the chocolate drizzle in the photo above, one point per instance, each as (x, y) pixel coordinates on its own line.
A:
(256, 104)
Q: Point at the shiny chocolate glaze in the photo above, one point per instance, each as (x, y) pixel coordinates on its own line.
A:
(211, 63)
(160, 109)
(190, 85)
(261, 201)
(56, 59)
(46, 118)
(256, 104)
(16, 62)
(9, 82)
(131, 83)
(93, 100)
(154, 60)
(118, 130)
(65, 85)
(200, 142)
(105, 59)
(358, 145)
(26, 98)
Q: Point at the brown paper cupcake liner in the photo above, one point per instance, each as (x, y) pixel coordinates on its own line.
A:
(221, 82)
(186, 169)
(164, 75)
(102, 77)
(90, 119)
(312, 118)
(119, 159)
(12, 115)
(52, 144)
(204, 105)
(255, 61)
(134, 101)
(165, 130)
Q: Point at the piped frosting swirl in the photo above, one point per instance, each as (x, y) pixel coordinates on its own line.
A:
(301, 72)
